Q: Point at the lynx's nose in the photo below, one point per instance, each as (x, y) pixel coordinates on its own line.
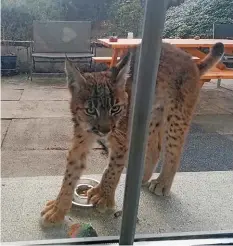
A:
(101, 130)
(105, 129)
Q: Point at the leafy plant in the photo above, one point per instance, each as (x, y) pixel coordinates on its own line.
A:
(126, 17)
(196, 18)
(18, 16)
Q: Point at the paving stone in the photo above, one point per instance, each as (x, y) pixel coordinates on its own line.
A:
(35, 109)
(198, 202)
(222, 124)
(206, 107)
(30, 163)
(45, 94)
(38, 134)
(10, 94)
(230, 136)
(221, 98)
(4, 127)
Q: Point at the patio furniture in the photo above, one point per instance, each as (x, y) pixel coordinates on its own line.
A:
(25, 44)
(104, 59)
(189, 45)
(54, 40)
(224, 31)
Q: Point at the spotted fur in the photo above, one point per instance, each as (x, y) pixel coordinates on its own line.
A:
(100, 107)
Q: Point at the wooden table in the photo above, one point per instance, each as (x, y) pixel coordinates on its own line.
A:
(189, 45)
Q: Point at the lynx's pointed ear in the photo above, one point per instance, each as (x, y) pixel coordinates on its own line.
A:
(75, 79)
(121, 72)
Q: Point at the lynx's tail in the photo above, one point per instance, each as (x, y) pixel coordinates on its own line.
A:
(212, 58)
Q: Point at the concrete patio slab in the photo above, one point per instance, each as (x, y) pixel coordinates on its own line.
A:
(35, 109)
(222, 124)
(204, 151)
(217, 92)
(207, 107)
(225, 83)
(15, 82)
(45, 94)
(199, 202)
(207, 152)
(38, 134)
(11, 94)
(22, 82)
(230, 136)
(221, 97)
(4, 128)
(45, 163)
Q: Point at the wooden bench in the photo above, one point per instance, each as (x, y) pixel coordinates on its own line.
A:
(216, 73)
(195, 58)
(104, 59)
(213, 73)
(108, 59)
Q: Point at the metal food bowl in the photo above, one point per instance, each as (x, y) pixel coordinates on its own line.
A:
(80, 192)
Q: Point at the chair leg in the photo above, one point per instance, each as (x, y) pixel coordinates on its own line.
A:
(31, 67)
(90, 62)
(218, 83)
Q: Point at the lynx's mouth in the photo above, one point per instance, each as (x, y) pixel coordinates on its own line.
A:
(100, 133)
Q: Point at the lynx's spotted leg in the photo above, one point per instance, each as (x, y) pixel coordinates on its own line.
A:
(154, 142)
(104, 194)
(55, 211)
(177, 122)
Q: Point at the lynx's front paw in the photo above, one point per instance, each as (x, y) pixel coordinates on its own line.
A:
(159, 187)
(98, 197)
(52, 214)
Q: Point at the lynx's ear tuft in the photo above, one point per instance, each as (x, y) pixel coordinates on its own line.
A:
(120, 72)
(75, 79)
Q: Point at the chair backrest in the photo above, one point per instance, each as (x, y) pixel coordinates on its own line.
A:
(223, 31)
(62, 36)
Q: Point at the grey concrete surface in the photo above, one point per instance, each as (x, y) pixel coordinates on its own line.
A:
(207, 152)
(11, 94)
(198, 202)
(222, 124)
(35, 147)
(35, 134)
(27, 163)
(46, 94)
(221, 98)
(229, 136)
(225, 83)
(205, 107)
(34, 109)
(4, 128)
(15, 82)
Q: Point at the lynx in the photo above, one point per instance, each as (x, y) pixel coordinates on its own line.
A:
(100, 107)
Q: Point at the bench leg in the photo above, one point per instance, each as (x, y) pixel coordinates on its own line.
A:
(31, 67)
(218, 83)
(114, 57)
(91, 63)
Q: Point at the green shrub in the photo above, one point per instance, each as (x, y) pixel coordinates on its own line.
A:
(196, 18)
(17, 16)
(126, 16)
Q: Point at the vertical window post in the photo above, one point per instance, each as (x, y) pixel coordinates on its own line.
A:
(154, 18)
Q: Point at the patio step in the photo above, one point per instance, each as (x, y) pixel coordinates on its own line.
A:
(194, 205)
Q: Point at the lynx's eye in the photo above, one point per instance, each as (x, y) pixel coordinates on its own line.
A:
(116, 109)
(90, 111)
